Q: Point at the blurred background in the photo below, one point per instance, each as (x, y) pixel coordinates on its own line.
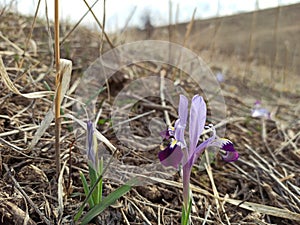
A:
(118, 12)
(254, 41)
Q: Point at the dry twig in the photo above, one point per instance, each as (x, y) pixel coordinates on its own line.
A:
(17, 185)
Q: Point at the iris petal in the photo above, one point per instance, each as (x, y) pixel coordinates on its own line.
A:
(180, 124)
(197, 121)
(167, 134)
(171, 156)
(183, 109)
(231, 154)
(200, 148)
(227, 145)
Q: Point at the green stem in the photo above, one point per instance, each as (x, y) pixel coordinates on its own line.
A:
(187, 202)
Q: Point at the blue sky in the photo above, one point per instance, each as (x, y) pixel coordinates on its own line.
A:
(118, 11)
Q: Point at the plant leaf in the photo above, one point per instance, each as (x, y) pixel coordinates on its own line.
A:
(86, 189)
(185, 217)
(93, 179)
(109, 200)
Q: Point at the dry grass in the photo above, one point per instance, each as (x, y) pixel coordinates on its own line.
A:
(262, 187)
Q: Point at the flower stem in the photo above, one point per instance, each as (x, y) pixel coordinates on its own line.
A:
(186, 194)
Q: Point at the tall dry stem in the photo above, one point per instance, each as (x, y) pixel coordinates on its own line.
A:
(58, 80)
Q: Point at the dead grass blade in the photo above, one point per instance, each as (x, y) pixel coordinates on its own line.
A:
(58, 86)
(79, 21)
(189, 28)
(19, 50)
(214, 188)
(265, 209)
(17, 185)
(12, 210)
(251, 206)
(146, 220)
(11, 132)
(28, 39)
(60, 192)
(99, 24)
(42, 128)
(66, 69)
(10, 85)
(162, 96)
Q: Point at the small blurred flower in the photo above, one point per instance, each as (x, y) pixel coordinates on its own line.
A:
(220, 77)
(259, 111)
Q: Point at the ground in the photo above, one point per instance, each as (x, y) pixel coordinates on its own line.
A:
(258, 55)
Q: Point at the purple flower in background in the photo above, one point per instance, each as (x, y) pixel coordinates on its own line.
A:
(220, 77)
(259, 111)
(177, 152)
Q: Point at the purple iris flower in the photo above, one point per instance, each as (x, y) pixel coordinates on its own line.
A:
(173, 154)
(178, 152)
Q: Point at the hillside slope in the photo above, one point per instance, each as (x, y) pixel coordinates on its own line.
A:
(268, 38)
